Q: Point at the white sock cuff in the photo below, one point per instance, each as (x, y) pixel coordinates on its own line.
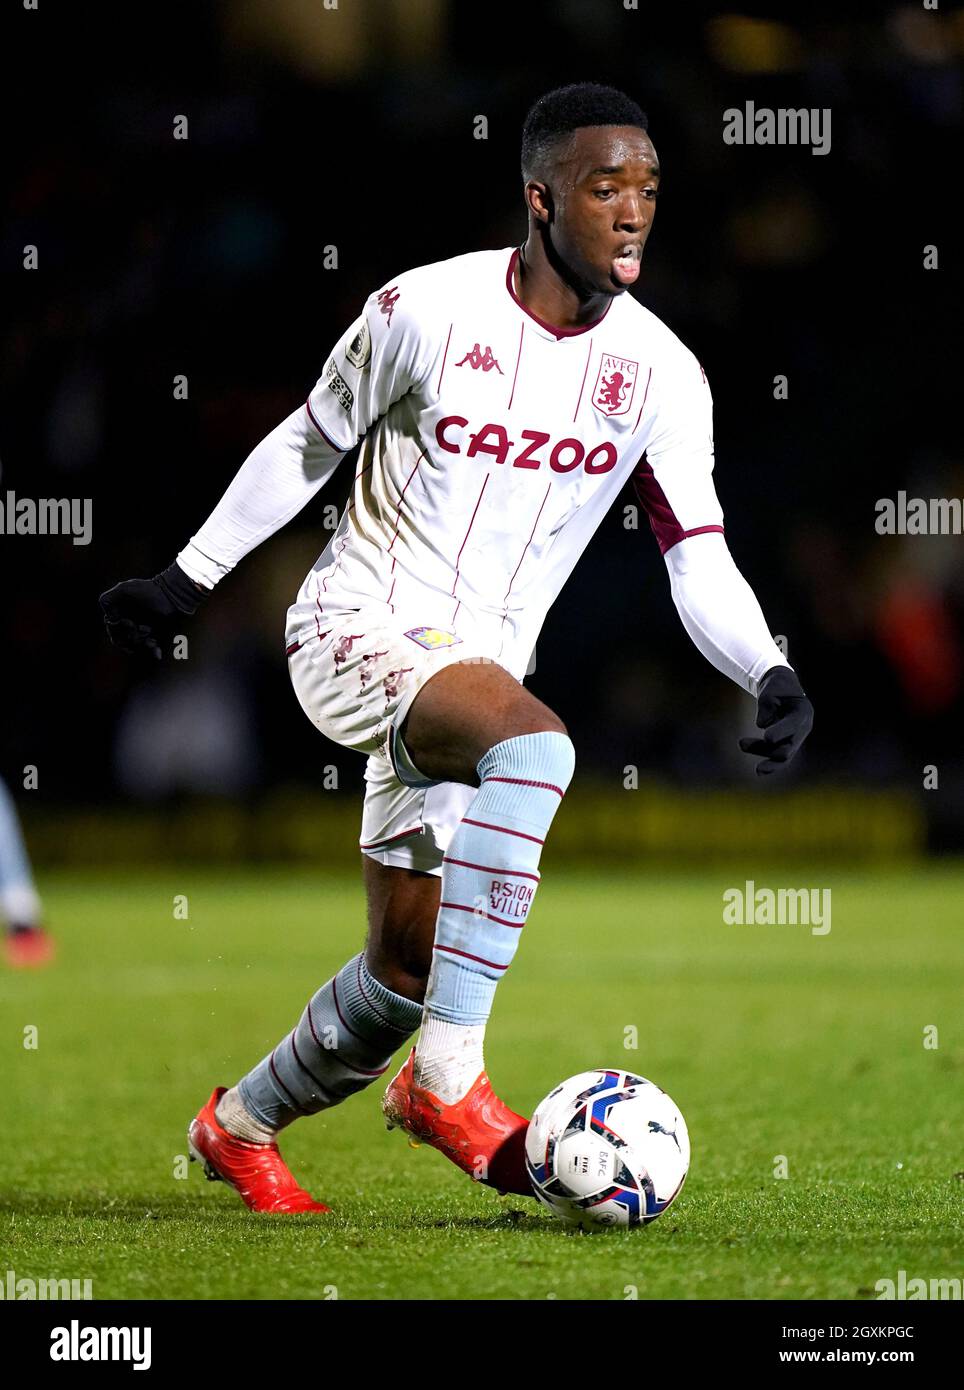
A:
(233, 1115)
(546, 757)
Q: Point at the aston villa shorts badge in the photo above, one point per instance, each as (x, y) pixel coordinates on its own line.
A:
(432, 637)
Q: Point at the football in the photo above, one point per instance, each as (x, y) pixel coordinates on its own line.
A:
(607, 1148)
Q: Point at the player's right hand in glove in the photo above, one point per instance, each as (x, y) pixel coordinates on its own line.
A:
(784, 714)
(141, 614)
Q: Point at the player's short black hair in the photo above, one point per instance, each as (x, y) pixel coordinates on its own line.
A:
(568, 108)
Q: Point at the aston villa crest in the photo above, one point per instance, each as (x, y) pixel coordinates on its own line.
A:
(615, 385)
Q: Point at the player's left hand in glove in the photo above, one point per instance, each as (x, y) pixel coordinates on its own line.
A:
(786, 717)
(140, 614)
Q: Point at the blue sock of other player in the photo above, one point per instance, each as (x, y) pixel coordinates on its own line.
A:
(19, 903)
(344, 1041)
(489, 878)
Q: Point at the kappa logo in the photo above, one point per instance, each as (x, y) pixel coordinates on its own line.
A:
(367, 672)
(387, 301)
(615, 385)
(431, 638)
(343, 646)
(393, 683)
(477, 358)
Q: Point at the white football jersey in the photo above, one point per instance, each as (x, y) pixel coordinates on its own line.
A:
(493, 446)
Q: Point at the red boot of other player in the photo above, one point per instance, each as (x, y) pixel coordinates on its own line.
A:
(257, 1172)
(27, 948)
(478, 1127)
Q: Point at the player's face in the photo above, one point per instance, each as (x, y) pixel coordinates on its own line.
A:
(603, 201)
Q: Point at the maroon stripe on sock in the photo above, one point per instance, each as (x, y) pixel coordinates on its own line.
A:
(383, 1018)
(334, 995)
(525, 782)
(461, 907)
(488, 869)
(307, 1070)
(274, 1072)
(365, 1071)
(450, 950)
(503, 830)
(311, 1025)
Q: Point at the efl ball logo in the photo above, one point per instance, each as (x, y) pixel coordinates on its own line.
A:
(615, 385)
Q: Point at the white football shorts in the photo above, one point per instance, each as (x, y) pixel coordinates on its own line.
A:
(356, 682)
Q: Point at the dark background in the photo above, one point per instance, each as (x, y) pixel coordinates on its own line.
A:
(353, 128)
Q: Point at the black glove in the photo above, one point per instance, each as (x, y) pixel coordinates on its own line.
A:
(786, 716)
(139, 612)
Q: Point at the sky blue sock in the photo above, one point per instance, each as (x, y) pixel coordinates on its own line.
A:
(491, 871)
(19, 904)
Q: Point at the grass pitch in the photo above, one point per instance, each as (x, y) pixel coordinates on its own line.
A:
(773, 1041)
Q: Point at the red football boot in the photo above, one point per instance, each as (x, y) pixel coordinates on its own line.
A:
(257, 1172)
(479, 1133)
(26, 948)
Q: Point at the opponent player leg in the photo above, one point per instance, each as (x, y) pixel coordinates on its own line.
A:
(475, 723)
(25, 941)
